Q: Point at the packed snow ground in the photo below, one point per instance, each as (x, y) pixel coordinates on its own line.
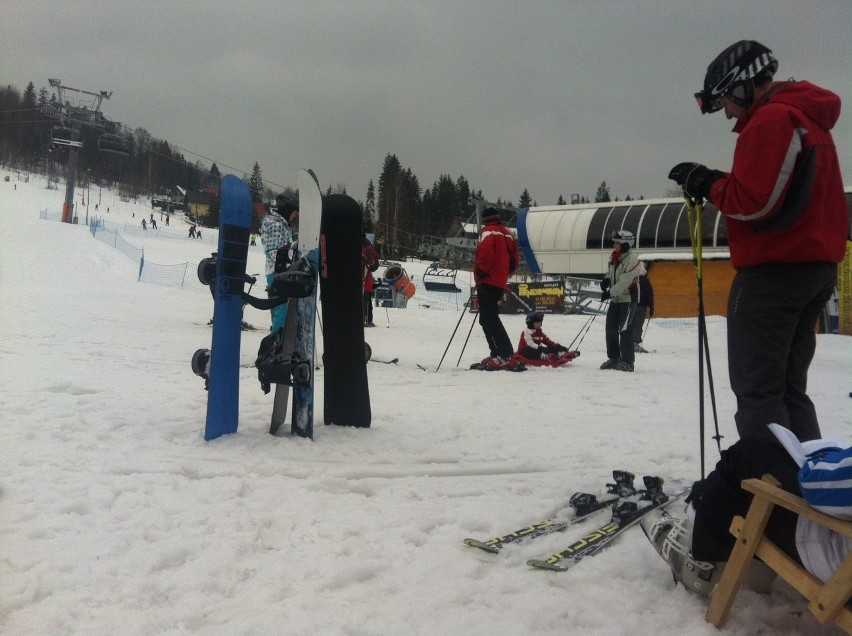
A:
(117, 517)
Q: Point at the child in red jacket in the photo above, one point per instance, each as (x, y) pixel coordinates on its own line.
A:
(535, 345)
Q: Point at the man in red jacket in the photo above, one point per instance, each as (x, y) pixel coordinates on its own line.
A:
(496, 258)
(787, 224)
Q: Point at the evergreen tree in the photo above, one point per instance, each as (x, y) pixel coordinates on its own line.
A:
(399, 207)
(255, 183)
(370, 205)
(560, 200)
(526, 200)
(602, 195)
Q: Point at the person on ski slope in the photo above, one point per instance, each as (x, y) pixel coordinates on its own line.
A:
(370, 261)
(787, 223)
(698, 543)
(274, 236)
(534, 343)
(644, 309)
(621, 289)
(496, 258)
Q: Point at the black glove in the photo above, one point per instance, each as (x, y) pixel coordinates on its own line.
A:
(481, 274)
(605, 283)
(695, 179)
(605, 295)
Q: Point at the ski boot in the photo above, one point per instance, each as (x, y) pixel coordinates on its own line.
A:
(623, 486)
(672, 539)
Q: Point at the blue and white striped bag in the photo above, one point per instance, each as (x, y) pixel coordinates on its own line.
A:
(826, 481)
(825, 474)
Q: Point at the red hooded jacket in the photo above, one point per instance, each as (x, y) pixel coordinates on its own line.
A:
(496, 255)
(783, 199)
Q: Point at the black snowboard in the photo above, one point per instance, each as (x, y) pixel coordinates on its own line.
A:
(347, 396)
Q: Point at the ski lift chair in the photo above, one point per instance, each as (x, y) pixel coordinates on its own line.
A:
(828, 601)
(64, 136)
(115, 144)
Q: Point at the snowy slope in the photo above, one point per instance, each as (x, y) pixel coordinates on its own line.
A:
(116, 516)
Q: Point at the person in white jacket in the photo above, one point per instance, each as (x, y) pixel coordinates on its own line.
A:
(620, 288)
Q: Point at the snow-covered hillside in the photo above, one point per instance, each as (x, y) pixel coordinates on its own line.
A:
(117, 518)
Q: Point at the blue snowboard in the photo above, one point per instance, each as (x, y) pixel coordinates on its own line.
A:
(223, 398)
(310, 215)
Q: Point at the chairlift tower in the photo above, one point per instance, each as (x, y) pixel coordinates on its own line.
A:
(73, 111)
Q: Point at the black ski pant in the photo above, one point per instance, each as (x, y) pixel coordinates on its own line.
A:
(719, 497)
(367, 302)
(772, 314)
(489, 319)
(639, 322)
(619, 331)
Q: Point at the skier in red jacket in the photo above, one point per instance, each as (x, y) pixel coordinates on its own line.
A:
(787, 224)
(496, 258)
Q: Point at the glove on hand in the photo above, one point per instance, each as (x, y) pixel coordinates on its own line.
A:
(695, 179)
(605, 295)
(605, 283)
(481, 274)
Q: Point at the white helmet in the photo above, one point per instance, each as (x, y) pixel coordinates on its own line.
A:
(623, 236)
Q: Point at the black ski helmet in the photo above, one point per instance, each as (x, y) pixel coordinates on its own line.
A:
(732, 75)
(534, 316)
(623, 236)
(286, 202)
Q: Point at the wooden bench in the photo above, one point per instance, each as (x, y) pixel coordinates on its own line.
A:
(827, 600)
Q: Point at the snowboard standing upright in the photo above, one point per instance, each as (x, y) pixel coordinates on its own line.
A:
(347, 396)
(301, 320)
(223, 397)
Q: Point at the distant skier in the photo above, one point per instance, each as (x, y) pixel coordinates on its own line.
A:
(370, 260)
(620, 288)
(144, 225)
(496, 258)
(191, 231)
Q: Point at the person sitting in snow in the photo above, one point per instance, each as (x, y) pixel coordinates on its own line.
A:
(535, 345)
(698, 545)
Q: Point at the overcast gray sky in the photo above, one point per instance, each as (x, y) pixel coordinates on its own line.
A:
(550, 96)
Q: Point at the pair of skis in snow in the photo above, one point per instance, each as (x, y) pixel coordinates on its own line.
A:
(625, 513)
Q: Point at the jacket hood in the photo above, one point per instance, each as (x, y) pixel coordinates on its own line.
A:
(819, 104)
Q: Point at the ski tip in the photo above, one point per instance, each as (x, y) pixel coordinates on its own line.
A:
(545, 565)
(476, 543)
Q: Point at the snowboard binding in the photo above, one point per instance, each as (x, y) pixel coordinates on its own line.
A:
(201, 366)
(274, 367)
